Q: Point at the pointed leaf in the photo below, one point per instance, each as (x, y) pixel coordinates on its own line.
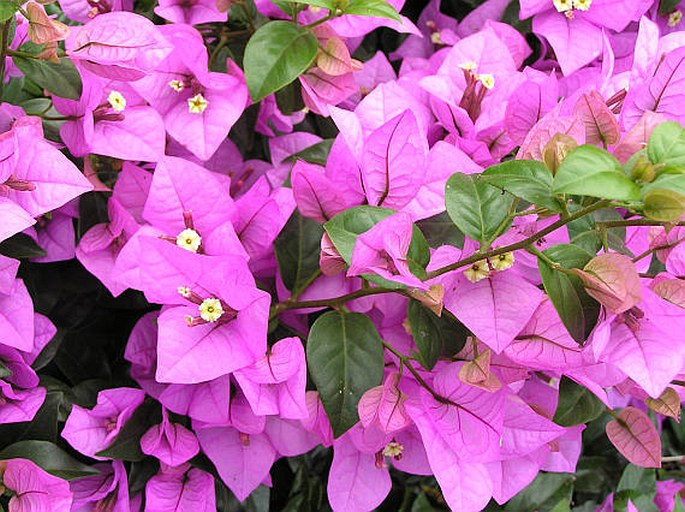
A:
(431, 333)
(375, 8)
(49, 457)
(667, 404)
(577, 404)
(666, 145)
(634, 435)
(593, 172)
(528, 179)
(476, 208)
(345, 359)
(61, 79)
(566, 292)
(276, 55)
(297, 252)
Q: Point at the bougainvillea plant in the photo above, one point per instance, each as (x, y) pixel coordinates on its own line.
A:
(347, 255)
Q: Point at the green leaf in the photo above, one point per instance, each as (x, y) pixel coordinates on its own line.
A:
(297, 252)
(21, 246)
(666, 144)
(577, 404)
(126, 446)
(528, 179)
(664, 205)
(591, 171)
(50, 457)
(674, 182)
(544, 494)
(440, 230)
(275, 55)
(584, 234)
(476, 208)
(61, 79)
(4, 371)
(7, 10)
(638, 479)
(345, 359)
(289, 99)
(325, 4)
(431, 333)
(375, 8)
(667, 6)
(566, 292)
(344, 228)
(637, 485)
(315, 154)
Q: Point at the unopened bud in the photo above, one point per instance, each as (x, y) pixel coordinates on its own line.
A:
(556, 151)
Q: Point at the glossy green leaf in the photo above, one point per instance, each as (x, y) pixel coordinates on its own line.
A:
(666, 144)
(314, 154)
(21, 246)
(297, 252)
(344, 228)
(345, 359)
(275, 55)
(61, 79)
(431, 333)
(375, 8)
(592, 171)
(576, 405)
(440, 230)
(476, 208)
(50, 457)
(528, 179)
(566, 292)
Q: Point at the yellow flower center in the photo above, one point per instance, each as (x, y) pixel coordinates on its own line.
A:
(477, 271)
(176, 85)
(435, 38)
(393, 449)
(189, 239)
(211, 310)
(468, 65)
(582, 5)
(563, 5)
(487, 80)
(117, 101)
(674, 18)
(184, 291)
(197, 104)
(567, 6)
(503, 261)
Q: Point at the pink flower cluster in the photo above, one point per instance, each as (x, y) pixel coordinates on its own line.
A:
(193, 226)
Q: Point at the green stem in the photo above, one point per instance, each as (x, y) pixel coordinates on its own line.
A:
(519, 245)
(405, 361)
(4, 36)
(15, 53)
(332, 302)
(248, 17)
(553, 264)
(323, 20)
(634, 222)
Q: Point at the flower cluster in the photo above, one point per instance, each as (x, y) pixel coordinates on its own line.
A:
(443, 261)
